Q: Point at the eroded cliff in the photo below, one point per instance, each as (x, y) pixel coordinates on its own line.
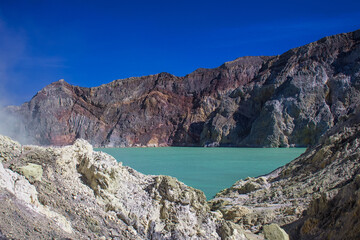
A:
(285, 100)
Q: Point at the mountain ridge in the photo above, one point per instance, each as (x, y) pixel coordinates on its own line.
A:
(303, 92)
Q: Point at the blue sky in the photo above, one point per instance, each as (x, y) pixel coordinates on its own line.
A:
(89, 43)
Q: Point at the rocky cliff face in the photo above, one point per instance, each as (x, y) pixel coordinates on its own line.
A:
(291, 99)
(76, 193)
(316, 196)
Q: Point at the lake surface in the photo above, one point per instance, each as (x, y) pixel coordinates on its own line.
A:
(207, 169)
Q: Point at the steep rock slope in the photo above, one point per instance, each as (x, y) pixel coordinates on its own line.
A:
(74, 192)
(336, 218)
(319, 181)
(291, 99)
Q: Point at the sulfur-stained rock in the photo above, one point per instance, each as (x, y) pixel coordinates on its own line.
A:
(9, 149)
(274, 232)
(32, 172)
(89, 195)
(236, 213)
(230, 231)
(25, 198)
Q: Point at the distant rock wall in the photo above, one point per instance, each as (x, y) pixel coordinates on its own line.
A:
(286, 100)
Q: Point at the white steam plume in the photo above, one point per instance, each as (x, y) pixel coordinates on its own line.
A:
(14, 127)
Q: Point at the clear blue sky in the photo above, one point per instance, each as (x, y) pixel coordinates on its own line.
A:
(89, 43)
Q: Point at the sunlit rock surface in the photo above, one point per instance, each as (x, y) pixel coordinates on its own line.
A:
(74, 192)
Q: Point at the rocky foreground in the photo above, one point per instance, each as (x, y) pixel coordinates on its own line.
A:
(285, 100)
(316, 196)
(74, 192)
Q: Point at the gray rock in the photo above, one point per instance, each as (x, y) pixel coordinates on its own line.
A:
(274, 232)
(335, 218)
(9, 149)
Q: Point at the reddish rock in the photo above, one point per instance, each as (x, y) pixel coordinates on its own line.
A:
(285, 100)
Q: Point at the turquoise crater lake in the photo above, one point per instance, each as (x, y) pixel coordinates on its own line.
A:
(207, 169)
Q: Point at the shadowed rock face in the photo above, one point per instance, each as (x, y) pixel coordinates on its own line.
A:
(336, 218)
(283, 100)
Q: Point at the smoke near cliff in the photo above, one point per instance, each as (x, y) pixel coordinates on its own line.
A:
(13, 52)
(13, 126)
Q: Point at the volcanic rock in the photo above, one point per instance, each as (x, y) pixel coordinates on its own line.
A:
(274, 232)
(335, 218)
(286, 100)
(74, 192)
(318, 190)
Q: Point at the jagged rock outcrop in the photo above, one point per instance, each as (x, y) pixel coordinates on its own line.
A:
(313, 197)
(74, 192)
(285, 100)
(336, 218)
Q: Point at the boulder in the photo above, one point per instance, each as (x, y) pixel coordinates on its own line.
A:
(32, 172)
(274, 232)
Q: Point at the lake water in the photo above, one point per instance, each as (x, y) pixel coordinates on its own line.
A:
(207, 169)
